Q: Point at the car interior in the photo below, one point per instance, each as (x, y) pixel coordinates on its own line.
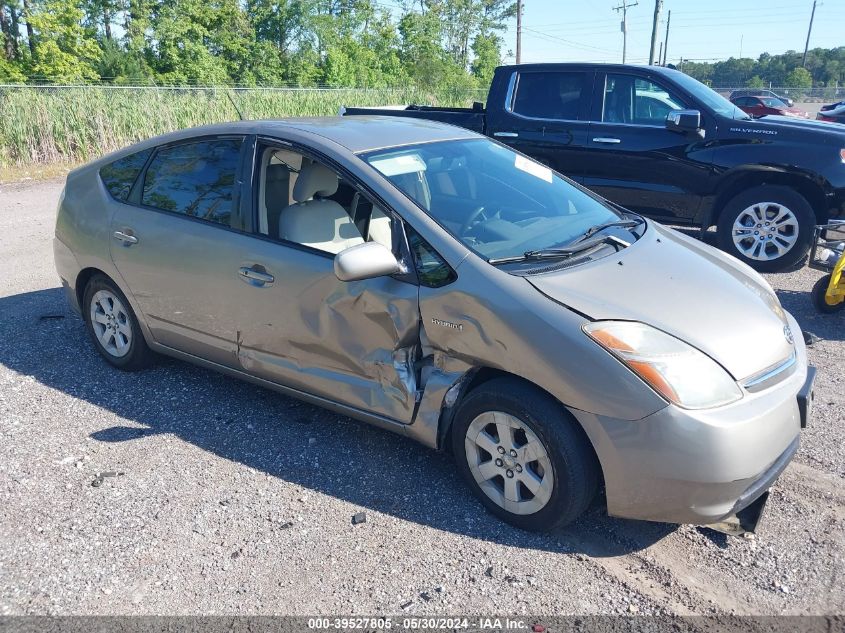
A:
(303, 201)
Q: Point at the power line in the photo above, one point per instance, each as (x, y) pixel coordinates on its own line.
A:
(624, 9)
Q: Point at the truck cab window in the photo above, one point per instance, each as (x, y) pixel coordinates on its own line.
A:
(628, 99)
(549, 95)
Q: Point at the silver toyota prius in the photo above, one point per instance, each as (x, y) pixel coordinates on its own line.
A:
(436, 283)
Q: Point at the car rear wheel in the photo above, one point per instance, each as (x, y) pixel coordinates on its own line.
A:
(113, 326)
(768, 227)
(523, 455)
(820, 297)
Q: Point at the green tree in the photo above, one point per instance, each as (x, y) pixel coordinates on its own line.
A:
(486, 51)
(755, 82)
(799, 78)
(62, 50)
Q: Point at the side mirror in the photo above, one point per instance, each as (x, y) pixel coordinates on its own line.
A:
(685, 121)
(365, 261)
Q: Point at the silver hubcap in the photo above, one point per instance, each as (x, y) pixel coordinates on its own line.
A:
(110, 321)
(509, 462)
(765, 231)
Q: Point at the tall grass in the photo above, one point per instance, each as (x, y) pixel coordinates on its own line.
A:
(43, 125)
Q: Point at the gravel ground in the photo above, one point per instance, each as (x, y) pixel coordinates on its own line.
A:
(236, 500)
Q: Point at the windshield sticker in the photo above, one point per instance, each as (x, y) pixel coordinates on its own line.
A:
(535, 169)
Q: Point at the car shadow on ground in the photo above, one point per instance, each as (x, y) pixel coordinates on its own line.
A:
(294, 441)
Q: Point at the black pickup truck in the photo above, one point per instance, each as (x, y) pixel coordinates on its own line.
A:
(658, 142)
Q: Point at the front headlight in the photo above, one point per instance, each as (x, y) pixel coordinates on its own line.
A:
(677, 371)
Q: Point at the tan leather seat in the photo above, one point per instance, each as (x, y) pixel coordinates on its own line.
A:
(380, 228)
(314, 222)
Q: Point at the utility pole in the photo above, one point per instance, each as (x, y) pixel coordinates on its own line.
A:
(624, 9)
(658, 5)
(660, 55)
(809, 30)
(666, 39)
(518, 31)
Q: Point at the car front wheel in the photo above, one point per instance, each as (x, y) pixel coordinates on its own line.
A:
(767, 227)
(523, 455)
(113, 326)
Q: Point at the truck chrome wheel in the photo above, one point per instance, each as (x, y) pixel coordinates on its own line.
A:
(110, 321)
(765, 231)
(509, 462)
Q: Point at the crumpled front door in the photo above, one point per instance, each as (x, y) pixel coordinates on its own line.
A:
(350, 342)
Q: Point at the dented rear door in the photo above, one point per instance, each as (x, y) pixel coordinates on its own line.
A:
(349, 342)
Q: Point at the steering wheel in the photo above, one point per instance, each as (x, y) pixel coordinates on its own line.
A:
(472, 219)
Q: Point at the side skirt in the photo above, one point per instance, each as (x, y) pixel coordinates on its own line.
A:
(342, 409)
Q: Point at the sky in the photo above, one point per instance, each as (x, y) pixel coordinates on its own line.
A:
(589, 30)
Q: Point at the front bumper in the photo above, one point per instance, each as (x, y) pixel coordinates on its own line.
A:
(682, 466)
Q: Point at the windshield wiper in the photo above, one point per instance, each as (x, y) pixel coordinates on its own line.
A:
(607, 225)
(563, 252)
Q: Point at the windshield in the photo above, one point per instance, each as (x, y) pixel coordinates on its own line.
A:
(771, 102)
(495, 201)
(711, 98)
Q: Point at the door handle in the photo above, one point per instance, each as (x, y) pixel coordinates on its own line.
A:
(606, 139)
(125, 238)
(255, 277)
(506, 134)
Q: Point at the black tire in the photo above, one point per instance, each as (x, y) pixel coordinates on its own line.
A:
(138, 356)
(789, 198)
(819, 291)
(574, 465)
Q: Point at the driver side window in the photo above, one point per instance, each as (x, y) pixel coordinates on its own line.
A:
(636, 101)
(304, 201)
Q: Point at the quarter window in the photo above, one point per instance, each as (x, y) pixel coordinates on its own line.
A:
(119, 176)
(628, 99)
(431, 269)
(543, 95)
(195, 179)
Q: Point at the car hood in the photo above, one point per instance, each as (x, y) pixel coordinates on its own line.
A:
(683, 287)
(796, 128)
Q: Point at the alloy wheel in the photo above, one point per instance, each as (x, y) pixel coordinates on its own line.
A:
(765, 231)
(509, 462)
(111, 324)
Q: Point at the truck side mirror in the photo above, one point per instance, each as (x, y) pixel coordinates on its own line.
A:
(685, 121)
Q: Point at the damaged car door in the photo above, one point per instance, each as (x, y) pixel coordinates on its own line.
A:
(354, 343)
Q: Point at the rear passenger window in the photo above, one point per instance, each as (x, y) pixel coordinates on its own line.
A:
(195, 179)
(549, 95)
(119, 176)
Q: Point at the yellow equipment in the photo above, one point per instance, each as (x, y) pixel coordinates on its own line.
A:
(828, 254)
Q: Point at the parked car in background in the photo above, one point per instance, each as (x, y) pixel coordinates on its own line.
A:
(834, 113)
(657, 142)
(756, 92)
(833, 106)
(437, 283)
(758, 106)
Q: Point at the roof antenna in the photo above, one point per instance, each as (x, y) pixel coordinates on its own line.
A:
(234, 105)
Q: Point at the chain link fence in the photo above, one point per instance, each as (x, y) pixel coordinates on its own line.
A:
(71, 124)
(809, 95)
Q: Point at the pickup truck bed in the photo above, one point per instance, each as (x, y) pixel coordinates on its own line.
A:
(469, 118)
